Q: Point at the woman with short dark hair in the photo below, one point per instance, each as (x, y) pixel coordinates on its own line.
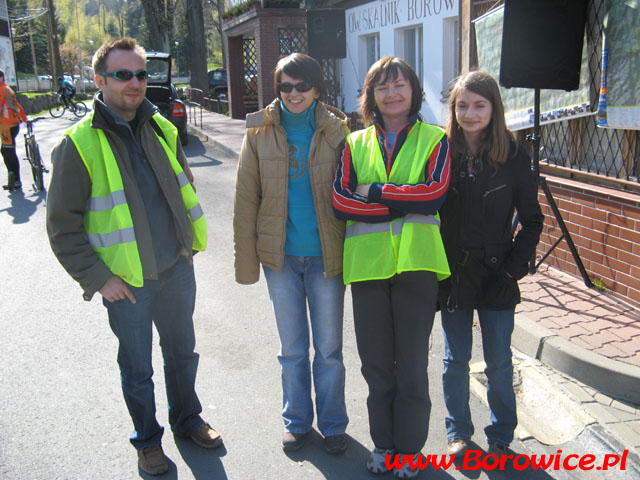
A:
(284, 222)
(392, 178)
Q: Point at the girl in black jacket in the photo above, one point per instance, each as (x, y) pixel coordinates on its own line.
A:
(491, 180)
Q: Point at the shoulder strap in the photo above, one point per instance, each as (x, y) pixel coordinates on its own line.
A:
(157, 128)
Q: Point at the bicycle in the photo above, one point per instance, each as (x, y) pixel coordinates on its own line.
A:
(79, 109)
(33, 155)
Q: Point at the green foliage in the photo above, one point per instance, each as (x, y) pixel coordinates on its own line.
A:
(84, 24)
(21, 39)
(281, 3)
(599, 284)
(249, 4)
(241, 8)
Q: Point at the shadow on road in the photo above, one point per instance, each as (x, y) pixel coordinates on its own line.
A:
(22, 207)
(333, 467)
(495, 469)
(204, 464)
(196, 148)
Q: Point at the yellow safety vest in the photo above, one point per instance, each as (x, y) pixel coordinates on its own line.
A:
(374, 251)
(107, 220)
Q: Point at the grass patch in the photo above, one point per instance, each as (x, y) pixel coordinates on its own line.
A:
(599, 284)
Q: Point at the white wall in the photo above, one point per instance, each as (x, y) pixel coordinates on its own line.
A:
(388, 17)
(6, 50)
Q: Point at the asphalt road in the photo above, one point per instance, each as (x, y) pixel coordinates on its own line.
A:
(62, 415)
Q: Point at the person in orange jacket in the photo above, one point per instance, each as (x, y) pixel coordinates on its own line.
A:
(11, 114)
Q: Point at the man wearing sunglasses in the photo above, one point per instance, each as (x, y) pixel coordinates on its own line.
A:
(124, 220)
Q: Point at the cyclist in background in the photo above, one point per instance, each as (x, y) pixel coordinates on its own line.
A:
(66, 90)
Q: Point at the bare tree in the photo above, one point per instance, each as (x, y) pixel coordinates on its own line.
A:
(159, 18)
(216, 10)
(121, 9)
(197, 45)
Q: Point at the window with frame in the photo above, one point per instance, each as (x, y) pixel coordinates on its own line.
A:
(409, 47)
(449, 52)
(370, 52)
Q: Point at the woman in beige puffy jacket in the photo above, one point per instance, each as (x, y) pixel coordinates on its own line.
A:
(284, 221)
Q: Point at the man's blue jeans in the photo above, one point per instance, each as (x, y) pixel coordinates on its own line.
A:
(168, 303)
(302, 280)
(496, 328)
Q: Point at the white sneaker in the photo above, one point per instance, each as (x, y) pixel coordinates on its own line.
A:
(376, 462)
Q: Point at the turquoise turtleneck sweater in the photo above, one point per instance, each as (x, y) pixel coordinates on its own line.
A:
(302, 237)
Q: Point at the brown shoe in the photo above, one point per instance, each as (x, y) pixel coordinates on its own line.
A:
(292, 442)
(336, 444)
(457, 447)
(206, 437)
(152, 460)
(498, 449)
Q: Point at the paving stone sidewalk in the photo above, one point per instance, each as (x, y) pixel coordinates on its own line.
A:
(588, 318)
(590, 340)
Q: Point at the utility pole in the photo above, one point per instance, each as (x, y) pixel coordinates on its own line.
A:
(33, 55)
(80, 52)
(54, 47)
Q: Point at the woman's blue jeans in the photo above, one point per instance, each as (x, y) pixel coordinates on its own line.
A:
(496, 328)
(302, 281)
(168, 303)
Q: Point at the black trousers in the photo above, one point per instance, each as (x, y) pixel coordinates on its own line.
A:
(9, 154)
(393, 320)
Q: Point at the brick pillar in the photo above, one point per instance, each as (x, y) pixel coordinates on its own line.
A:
(268, 54)
(235, 70)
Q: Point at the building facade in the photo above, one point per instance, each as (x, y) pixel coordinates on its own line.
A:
(422, 32)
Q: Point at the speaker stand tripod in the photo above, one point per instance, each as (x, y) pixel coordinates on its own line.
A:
(542, 182)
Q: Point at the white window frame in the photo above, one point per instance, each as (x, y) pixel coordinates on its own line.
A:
(449, 51)
(409, 45)
(369, 46)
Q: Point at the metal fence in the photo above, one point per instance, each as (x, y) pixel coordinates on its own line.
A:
(578, 144)
(33, 85)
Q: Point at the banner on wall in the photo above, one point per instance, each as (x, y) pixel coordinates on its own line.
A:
(6, 61)
(619, 102)
(555, 105)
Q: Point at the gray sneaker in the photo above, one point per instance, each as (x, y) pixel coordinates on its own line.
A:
(406, 472)
(152, 460)
(376, 462)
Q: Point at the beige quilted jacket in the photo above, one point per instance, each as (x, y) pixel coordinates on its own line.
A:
(260, 202)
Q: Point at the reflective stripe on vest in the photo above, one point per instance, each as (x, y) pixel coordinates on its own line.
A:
(107, 220)
(359, 228)
(191, 203)
(381, 250)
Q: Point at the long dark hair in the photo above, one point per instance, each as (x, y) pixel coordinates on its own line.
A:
(387, 68)
(496, 138)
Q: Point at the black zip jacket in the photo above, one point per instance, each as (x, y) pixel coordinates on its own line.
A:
(485, 259)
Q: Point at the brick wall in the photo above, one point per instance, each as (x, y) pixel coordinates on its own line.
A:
(605, 227)
(263, 25)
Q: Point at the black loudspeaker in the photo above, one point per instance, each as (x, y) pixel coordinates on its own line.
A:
(542, 43)
(326, 33)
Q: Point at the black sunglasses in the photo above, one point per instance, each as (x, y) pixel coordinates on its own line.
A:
(126, 75)
(301, 87)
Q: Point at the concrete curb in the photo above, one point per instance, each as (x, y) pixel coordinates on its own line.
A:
(198, 132)
(614, 378)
